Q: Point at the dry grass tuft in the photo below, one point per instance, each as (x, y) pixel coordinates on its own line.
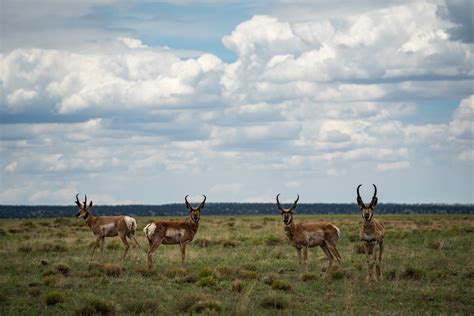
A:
(237, 285)
(281, 285)
(438, 245)
(53, 298)
(411, 273)
(274, 301)
(270, 277)
(146, 273)
(308, 276)
(137, 307)
(96, 307)
(112, 270)
(25, 249)
(256, 226)
(359, 248)
(247, 274)
(113, 245)
(207, 281)
(173, 273)
(228, 243)
(52, 247)
(273, 241)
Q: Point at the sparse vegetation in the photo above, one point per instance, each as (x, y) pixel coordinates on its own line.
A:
(53, 298)
(427, 260)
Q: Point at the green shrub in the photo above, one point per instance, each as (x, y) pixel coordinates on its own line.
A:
(53, 298)
(186, 302)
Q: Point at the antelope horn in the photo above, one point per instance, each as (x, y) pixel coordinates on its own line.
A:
(359, 199)
(77, 200)
(278, 203)
(186, 201)
(85, 200)
(374, 197)
(296, 201)
(202, 203)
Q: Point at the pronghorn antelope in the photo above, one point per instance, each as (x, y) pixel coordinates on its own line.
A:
(372, 234)
(107, 226)
(308, 235)
(173, 232)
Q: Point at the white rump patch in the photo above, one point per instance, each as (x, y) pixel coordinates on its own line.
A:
(171, 232)
(131, 223)
(149, 230)
(338, 231)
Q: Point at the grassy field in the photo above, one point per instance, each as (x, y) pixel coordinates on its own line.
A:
(237, 265)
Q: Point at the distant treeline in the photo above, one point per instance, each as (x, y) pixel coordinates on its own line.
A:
(27, 211)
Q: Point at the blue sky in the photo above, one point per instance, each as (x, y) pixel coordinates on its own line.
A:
(146, 102)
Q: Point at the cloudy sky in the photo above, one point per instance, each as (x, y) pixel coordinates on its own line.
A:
(145, 102)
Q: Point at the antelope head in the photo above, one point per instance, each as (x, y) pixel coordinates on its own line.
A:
(84, 209)
(287, 213)
(195, 212)
(367, 210)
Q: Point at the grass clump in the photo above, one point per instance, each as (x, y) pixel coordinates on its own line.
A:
(272, 241)
(113, 245)
(411, 273)
(247, 274)
(207, 281)
(229, 244)
(96, 306)
(53, 298)
(25, 249)
(308, 276)
(281, 285)
(142, 307)
(112, 270)
(206, 306)
(437, 245)
(274, 301)
(173, 273)
(359, 248)
(145, 272)
(198, 303)
(50, 247)
(270, 277)
(237, 285)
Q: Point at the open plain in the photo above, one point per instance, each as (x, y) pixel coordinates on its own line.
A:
(237, 265)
